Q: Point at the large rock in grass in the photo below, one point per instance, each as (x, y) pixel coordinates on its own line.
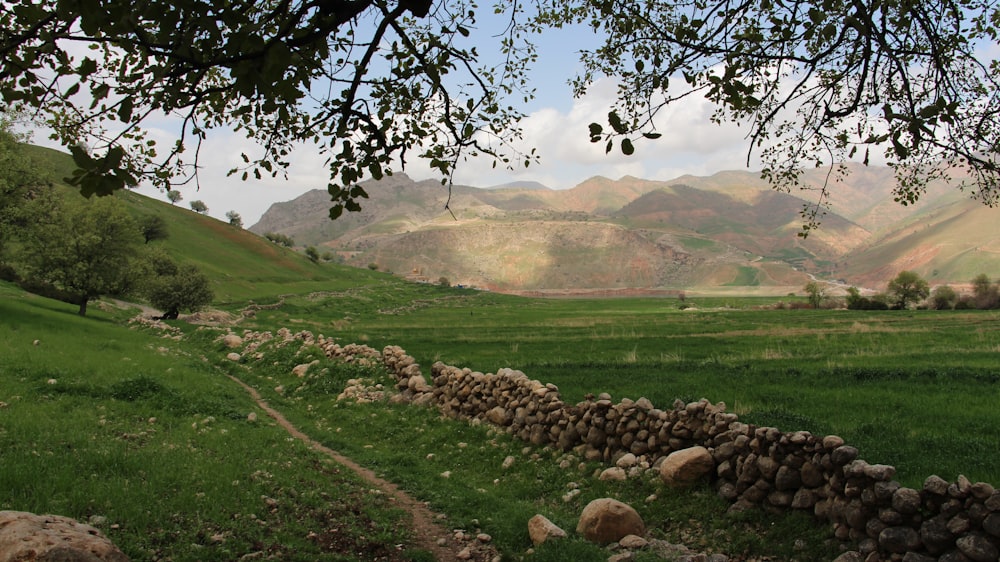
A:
(52, 538)
(686, 467)
(608, 520)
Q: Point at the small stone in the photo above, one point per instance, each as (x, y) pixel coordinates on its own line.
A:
(483, 538)
(232, 341)
(978, 548)
(540, 529)
(613, 474)
(843, 455)
(252, 417)
(898, 539)
(687, 466)
(233, 356)
(906, 501)
(509, 461)
(464, 554)
(633, 542)
(936, 485)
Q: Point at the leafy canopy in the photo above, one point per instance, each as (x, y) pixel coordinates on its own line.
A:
(817, 82)
(366, 81)
(371, 82)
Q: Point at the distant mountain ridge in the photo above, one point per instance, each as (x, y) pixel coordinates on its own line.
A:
(728, 229)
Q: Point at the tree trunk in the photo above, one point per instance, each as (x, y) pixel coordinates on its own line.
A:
(83, 306)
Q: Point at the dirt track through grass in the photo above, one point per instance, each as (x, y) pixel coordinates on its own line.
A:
(426, 531)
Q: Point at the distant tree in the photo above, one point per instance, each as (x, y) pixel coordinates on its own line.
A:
(943, 298)
(853, 298)
(907, 288)
(815, 294)
(328, 256)
(857, 302)
(281, 239)
(373, 266)
(153, 227)
(199, 207)
(85, 248)
(234, 219)
(174, 288)
(985, 294)
(312, 253)
(444, 282)
(19, 176)
(174, 196)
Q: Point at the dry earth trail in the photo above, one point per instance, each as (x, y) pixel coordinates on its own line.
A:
(427, 532)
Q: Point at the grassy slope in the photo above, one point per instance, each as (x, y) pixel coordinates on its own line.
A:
(139, 435)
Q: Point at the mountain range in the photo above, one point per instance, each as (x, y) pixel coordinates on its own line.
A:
(730, 229)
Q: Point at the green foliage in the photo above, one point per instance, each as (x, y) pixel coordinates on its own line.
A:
(175, 288)
(943, 298)
(907, 288)
(234, 219)
(199, 206)
(281, 239)
(174, 196)
(312, 253)
(264, 74)
(153, 228)
(863, 77)
(815, 294)
(19, 175)
(85, 247)
(985, 294)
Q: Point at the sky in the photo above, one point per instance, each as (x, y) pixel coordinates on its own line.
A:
(556, 125)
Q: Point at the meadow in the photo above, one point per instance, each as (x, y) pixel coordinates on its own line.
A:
(141, 433)
(915, 389)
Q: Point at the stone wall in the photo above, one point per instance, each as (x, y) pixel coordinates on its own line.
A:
(944, 521)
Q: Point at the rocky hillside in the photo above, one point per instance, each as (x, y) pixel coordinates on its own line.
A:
(729, 229)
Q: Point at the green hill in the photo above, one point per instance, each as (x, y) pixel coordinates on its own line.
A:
(240, 264)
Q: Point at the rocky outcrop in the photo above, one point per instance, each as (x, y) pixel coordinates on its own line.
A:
(26, 536)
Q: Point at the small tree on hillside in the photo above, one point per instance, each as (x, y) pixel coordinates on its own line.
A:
(234, 219)
(199, 207)
(174, 196)
(815, 294)
(85, 249)
(153, 227)
(312, 253)
(174, 288)
(907, 288)
(281, 239)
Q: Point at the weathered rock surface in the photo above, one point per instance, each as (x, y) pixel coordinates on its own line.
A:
(608, 520)
(52, 538)
(687, 466)
(540, 529)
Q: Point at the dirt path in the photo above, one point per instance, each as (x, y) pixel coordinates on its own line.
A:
(426, 531)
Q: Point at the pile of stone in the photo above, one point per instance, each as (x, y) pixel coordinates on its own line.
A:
(748, 465)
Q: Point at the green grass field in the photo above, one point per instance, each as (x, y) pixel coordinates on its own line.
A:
(914, 389)
(145, 436)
